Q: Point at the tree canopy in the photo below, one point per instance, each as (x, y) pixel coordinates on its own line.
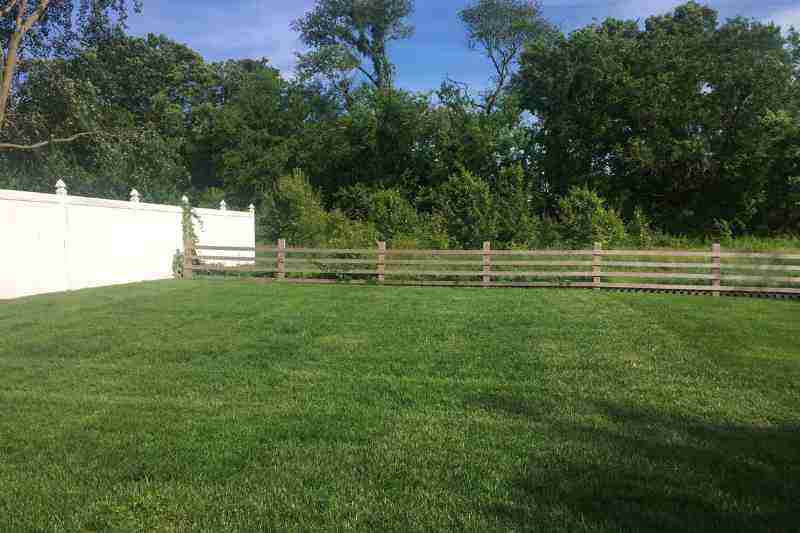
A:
(49, 29)
(501, 28)
(621, 131)
(347, 35)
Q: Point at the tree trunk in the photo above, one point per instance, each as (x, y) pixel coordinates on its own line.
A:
(8, 73)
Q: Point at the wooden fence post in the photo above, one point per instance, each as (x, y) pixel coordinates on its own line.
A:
(716, 269)
(381, 261)
(281, 259)
(597, 261)
(487, 263)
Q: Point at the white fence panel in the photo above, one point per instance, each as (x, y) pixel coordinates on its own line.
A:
(58, 242)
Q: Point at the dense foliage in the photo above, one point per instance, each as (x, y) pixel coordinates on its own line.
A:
(618, 132)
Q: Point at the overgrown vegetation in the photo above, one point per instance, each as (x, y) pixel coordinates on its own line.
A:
(677, 130)
(207, 406)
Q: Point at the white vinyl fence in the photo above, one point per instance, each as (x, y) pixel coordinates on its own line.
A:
(58, 242)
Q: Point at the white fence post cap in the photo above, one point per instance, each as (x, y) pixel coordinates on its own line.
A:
(223, 206)
(184, 199)
(252, 209)
(61, 188)
(134, 196)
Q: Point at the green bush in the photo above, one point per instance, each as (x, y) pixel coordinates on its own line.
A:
(465, 203)
(293, 211)
(342, 232)
(640, 232)
(513, 203)
(584, 219)
(430, 233)
(392, 214)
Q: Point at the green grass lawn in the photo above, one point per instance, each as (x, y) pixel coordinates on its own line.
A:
(236, 406)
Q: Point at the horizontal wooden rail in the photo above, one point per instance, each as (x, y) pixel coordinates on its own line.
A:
(321, 260)
(666, 275)
(774, 279)
(224, 258)
(354, 251)
(547, 274)
(542, 263)
(760, 256)
(654, 253)
(521, 253)
(226, 248)
(779, 268)
(645, 264)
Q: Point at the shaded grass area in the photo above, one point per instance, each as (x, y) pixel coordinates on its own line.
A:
(235, 406)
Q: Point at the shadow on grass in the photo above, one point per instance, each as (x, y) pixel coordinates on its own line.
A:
(640, 470)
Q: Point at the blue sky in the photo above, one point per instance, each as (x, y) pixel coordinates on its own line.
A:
(260, 28)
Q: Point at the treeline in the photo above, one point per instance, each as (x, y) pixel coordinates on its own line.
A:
(622, 132)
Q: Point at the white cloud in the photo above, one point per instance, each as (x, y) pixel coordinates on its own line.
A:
(242, 29)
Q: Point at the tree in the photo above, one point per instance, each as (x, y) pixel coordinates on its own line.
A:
(501, 28)
(343, 34)
(137, 94)
(254, 136)
(46, 29)
(668, 117)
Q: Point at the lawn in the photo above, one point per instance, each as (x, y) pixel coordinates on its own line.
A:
(237, 406)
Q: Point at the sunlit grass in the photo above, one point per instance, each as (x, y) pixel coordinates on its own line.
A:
(239, 406)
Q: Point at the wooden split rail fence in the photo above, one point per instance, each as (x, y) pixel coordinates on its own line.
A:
(713, 272)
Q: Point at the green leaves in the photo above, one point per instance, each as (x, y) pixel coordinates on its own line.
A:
(667, 117)
(342, 34)
(501, 28)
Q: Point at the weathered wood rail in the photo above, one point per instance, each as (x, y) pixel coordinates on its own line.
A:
(713, 272)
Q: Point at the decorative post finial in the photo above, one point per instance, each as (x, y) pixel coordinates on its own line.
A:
(135, 196)
(252, 209)
(185, 200)
(61, 188)
(223, 206)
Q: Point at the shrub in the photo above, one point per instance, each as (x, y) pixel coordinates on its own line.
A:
(584, 219)
(430, 233)
(465, 202)
(392, 214)
(513, 204)
(342, 232)
(293, 211)
(639, 230)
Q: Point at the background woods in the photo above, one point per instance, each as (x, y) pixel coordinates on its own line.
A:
(680, 125)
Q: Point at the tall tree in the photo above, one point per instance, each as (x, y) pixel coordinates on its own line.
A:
(669, 117)
(353, 35)
(501, 28)
(46, 29)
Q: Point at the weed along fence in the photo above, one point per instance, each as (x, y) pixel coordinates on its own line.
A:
(709, 272)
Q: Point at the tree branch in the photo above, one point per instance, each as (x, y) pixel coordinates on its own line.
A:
(33, 19)
(368, 75)
(42, 144)
(6, 10)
